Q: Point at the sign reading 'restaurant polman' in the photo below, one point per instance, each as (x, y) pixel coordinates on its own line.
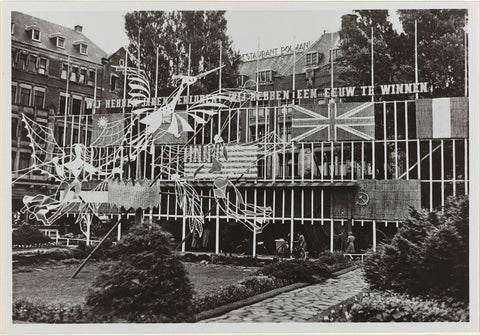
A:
(308, 93)
(285, 50)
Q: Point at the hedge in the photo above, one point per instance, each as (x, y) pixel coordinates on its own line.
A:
(388, 306)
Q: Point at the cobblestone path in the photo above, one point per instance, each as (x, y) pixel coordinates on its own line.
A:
(301, 304)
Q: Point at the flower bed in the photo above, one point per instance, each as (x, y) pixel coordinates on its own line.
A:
(388, 306)
(226, 260)
(241, 290)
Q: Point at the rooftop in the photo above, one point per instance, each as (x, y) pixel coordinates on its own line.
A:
(283, 64)
(24, 23)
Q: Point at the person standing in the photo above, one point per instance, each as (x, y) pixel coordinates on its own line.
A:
(350, 243)
(302, 244)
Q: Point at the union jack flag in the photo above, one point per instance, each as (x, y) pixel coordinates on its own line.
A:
(334, 122)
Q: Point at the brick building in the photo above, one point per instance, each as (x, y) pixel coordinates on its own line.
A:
(49, 63)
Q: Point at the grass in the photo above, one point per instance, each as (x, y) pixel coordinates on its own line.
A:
(51, 284)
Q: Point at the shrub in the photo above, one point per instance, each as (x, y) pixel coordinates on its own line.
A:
(388, 306)
(227, 260)
(428, 254)
(28, 235)
(24, 310)
(297, 270)
(47, 255)
(244, 289)
(374, 266)
(335, 260)
(148, 283)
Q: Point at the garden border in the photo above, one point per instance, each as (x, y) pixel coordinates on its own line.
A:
(217, 311)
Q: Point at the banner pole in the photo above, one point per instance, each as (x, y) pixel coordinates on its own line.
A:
(372, 80)
(416, 60)
(466, 55)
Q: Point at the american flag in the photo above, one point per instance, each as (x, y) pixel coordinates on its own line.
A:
(334, 122)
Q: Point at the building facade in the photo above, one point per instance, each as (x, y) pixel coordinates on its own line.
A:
(56, 73)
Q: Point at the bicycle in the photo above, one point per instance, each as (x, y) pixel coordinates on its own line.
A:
(245, 248)
(284, 251)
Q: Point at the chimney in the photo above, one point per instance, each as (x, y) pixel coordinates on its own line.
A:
(349, 18)
(78, 28)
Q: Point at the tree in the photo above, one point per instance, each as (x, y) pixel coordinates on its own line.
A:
(441, 47)
(355, 47)
(172, 32)
(440, 41)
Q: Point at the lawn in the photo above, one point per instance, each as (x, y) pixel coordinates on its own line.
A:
(51, 284)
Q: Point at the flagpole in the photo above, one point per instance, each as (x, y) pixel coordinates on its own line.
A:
(188, 71)
(156, 79)
(220, 70)
(125, 79)
(416, 60)
(66, 103)
(331, 63)
(294, 70)
(138, 52)
(95, 92)
(466, 55)
(372, 80)
(258, 77)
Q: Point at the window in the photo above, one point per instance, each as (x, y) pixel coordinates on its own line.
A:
(76, 106)
(83, 75)
(61, 107)
(25, 96)
(14, 93)
(61, 42)
(38, 98)
(311, 58)
(88, 106)
(24, 160)
(113, 82)
(42, 66)
(22, 61)
(335, 53)
(32, 63)
(74, 73)
(14, 128)
(262, 77)
(265, 76)
(83, 49)
(14, 57)
(12, 29)
(121, 62)
(36, 35)
(64, 71)
(91, 78)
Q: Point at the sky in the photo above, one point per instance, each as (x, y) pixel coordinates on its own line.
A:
(248, 29)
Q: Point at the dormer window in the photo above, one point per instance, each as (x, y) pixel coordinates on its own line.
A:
(82, 46)
(34, 31)
(121, 62)
(265, 76)
(83, 49)
(60, 42)
(311, 58)
(334, 53)
(36, 35)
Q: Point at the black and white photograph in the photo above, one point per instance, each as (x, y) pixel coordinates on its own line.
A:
(239, 166)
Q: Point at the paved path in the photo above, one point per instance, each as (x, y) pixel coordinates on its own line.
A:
(299, 305)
